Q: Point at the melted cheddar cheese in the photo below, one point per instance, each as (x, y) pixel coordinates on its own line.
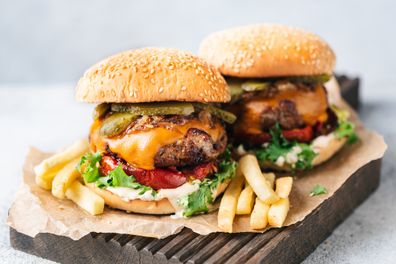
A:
(139, 148)
(311, 106)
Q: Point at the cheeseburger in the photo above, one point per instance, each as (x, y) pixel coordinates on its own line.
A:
(158, 143)
(276, 75)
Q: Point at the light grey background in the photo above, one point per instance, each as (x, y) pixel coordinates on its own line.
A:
(52, 41)
(45, 45)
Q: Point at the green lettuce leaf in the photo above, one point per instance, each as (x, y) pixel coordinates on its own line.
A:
(199, 201)
(345, 128)
(89, 167)
(118, 178)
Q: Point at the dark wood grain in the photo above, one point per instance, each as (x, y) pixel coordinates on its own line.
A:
(286, 245)
(350, 90)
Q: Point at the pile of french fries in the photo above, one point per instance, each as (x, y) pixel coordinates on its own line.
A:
(58, 174)
(259, 194)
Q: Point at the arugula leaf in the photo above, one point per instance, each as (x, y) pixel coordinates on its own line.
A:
(280, 147)
(318, 190)
(89, 166)
(118, 178)
(198, 201)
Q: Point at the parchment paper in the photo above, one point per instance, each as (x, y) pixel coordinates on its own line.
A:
(36, 211)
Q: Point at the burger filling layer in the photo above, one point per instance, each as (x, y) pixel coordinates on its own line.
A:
(279, 118)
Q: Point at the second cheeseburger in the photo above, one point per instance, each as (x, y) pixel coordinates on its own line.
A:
(158, 141)
(276, 75)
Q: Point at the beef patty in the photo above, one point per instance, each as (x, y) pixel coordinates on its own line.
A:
(195, 148)
(291, 105)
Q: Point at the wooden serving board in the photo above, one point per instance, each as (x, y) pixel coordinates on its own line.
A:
(286, 245)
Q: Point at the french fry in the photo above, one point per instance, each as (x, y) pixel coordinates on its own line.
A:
(228, 204)
(270, 177)
(47, 169)
(259, 219)
(85, 198)
(245, 201)
(277, 212)
(251, 170)
(284, 186)
(64, 178)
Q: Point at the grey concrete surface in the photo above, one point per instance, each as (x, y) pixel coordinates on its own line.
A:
(46, 45)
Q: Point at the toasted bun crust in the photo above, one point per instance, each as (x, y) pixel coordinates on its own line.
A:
(139, 206)
(136, 206)
(324, 154)
(152, 75)
(267, 50)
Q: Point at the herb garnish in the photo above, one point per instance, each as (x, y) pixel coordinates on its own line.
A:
(280, 147)
(318, 190)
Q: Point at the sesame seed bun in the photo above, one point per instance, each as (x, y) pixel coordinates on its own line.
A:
(143, 207)
(267, 50)
(152, 75)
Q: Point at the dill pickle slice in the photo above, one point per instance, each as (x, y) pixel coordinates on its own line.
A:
(235, 90)
(100, 110)
(116, 124)
(160, 108)
(252, 86)
(235, 86)
(322, 78)
(220, 113)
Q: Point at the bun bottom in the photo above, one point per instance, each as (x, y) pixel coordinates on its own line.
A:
(161, 207)
(324, 153)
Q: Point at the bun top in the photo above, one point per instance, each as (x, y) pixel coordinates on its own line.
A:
(267, 51)
(152, 75)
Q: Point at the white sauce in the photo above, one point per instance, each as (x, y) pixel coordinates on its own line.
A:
(292, 156)
(317, 145)
(128, 194)
(280, 161)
